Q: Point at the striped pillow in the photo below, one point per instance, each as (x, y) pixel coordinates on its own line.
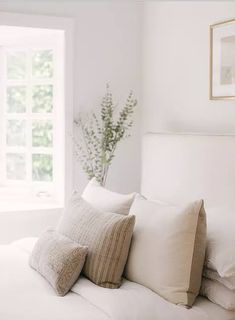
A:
(107, 236)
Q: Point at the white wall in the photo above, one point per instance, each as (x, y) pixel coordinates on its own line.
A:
(20, 224)
(176, 67)
(107, 49)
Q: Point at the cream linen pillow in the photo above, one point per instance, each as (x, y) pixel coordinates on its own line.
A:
(218, 293)
(107, 236)
(106, 200)
(213, 275)
(168, 248)
(58, 259)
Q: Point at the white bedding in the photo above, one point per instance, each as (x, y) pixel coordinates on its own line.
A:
(25, 295)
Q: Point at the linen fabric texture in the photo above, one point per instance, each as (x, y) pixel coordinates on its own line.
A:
(213, 275)
(107, 236)
(168, 249)
(218, 293)
(58, 259)
(106, 200)
(220, 253)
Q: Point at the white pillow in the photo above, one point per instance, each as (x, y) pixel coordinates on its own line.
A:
(213, 275)
(218, 294)
(220, 252)
(106, 200)
(168, 248)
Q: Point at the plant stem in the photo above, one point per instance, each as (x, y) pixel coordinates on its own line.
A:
(87, 147)
(105, 175)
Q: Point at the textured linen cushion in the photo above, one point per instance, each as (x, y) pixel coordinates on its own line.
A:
(218, 293)
(220, 252)
(106, 200)
(107, 235)
(168, 248)
(213, 275)
(58, 259)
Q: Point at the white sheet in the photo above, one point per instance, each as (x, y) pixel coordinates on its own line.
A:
(135, 302)
(25, 295)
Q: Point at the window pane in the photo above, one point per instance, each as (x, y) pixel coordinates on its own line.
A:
(16, 65)
(42, 133)
(42, 99)
(42, 167)
(16, 132)
(42, 64)
(16, 99)
(16, 166)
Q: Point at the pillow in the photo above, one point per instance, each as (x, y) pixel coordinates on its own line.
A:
(168, 248)
(106, 200)
(220, 253)
(107, 235)
(58, 259)
(213, 275)
(218, 294)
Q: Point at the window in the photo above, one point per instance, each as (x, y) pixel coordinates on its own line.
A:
(28, 115)
(32, 114)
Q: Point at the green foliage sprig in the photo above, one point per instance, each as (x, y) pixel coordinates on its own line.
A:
(99, 135)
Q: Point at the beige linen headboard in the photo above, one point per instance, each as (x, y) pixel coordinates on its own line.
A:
(178, 168)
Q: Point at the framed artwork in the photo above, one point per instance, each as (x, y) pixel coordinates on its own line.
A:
(222, 60)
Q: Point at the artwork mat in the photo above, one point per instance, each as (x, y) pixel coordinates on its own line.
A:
(217, 32)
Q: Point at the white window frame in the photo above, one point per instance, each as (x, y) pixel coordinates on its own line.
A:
(28, 116)
(66, 25)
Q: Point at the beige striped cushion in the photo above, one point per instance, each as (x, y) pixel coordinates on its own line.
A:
(107, 236)
(58, 259)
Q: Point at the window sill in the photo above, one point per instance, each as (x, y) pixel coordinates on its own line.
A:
(14, 206)
(25, 199)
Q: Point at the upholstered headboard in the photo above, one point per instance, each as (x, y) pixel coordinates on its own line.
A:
(183, 167)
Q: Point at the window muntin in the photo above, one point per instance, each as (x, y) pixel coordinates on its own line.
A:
(32, 118)
(28, 114)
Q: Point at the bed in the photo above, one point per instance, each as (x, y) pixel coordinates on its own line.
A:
(175, 168)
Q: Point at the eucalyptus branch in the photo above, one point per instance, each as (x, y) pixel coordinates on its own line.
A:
(100, 134)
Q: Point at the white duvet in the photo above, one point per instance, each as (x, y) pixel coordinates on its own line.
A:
(25, 295)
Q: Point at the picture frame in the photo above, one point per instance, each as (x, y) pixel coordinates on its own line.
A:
(222, 60)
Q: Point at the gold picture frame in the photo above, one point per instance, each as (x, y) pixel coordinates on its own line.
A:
(222, 83)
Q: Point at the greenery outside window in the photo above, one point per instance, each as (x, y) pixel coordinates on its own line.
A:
(31, 86)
